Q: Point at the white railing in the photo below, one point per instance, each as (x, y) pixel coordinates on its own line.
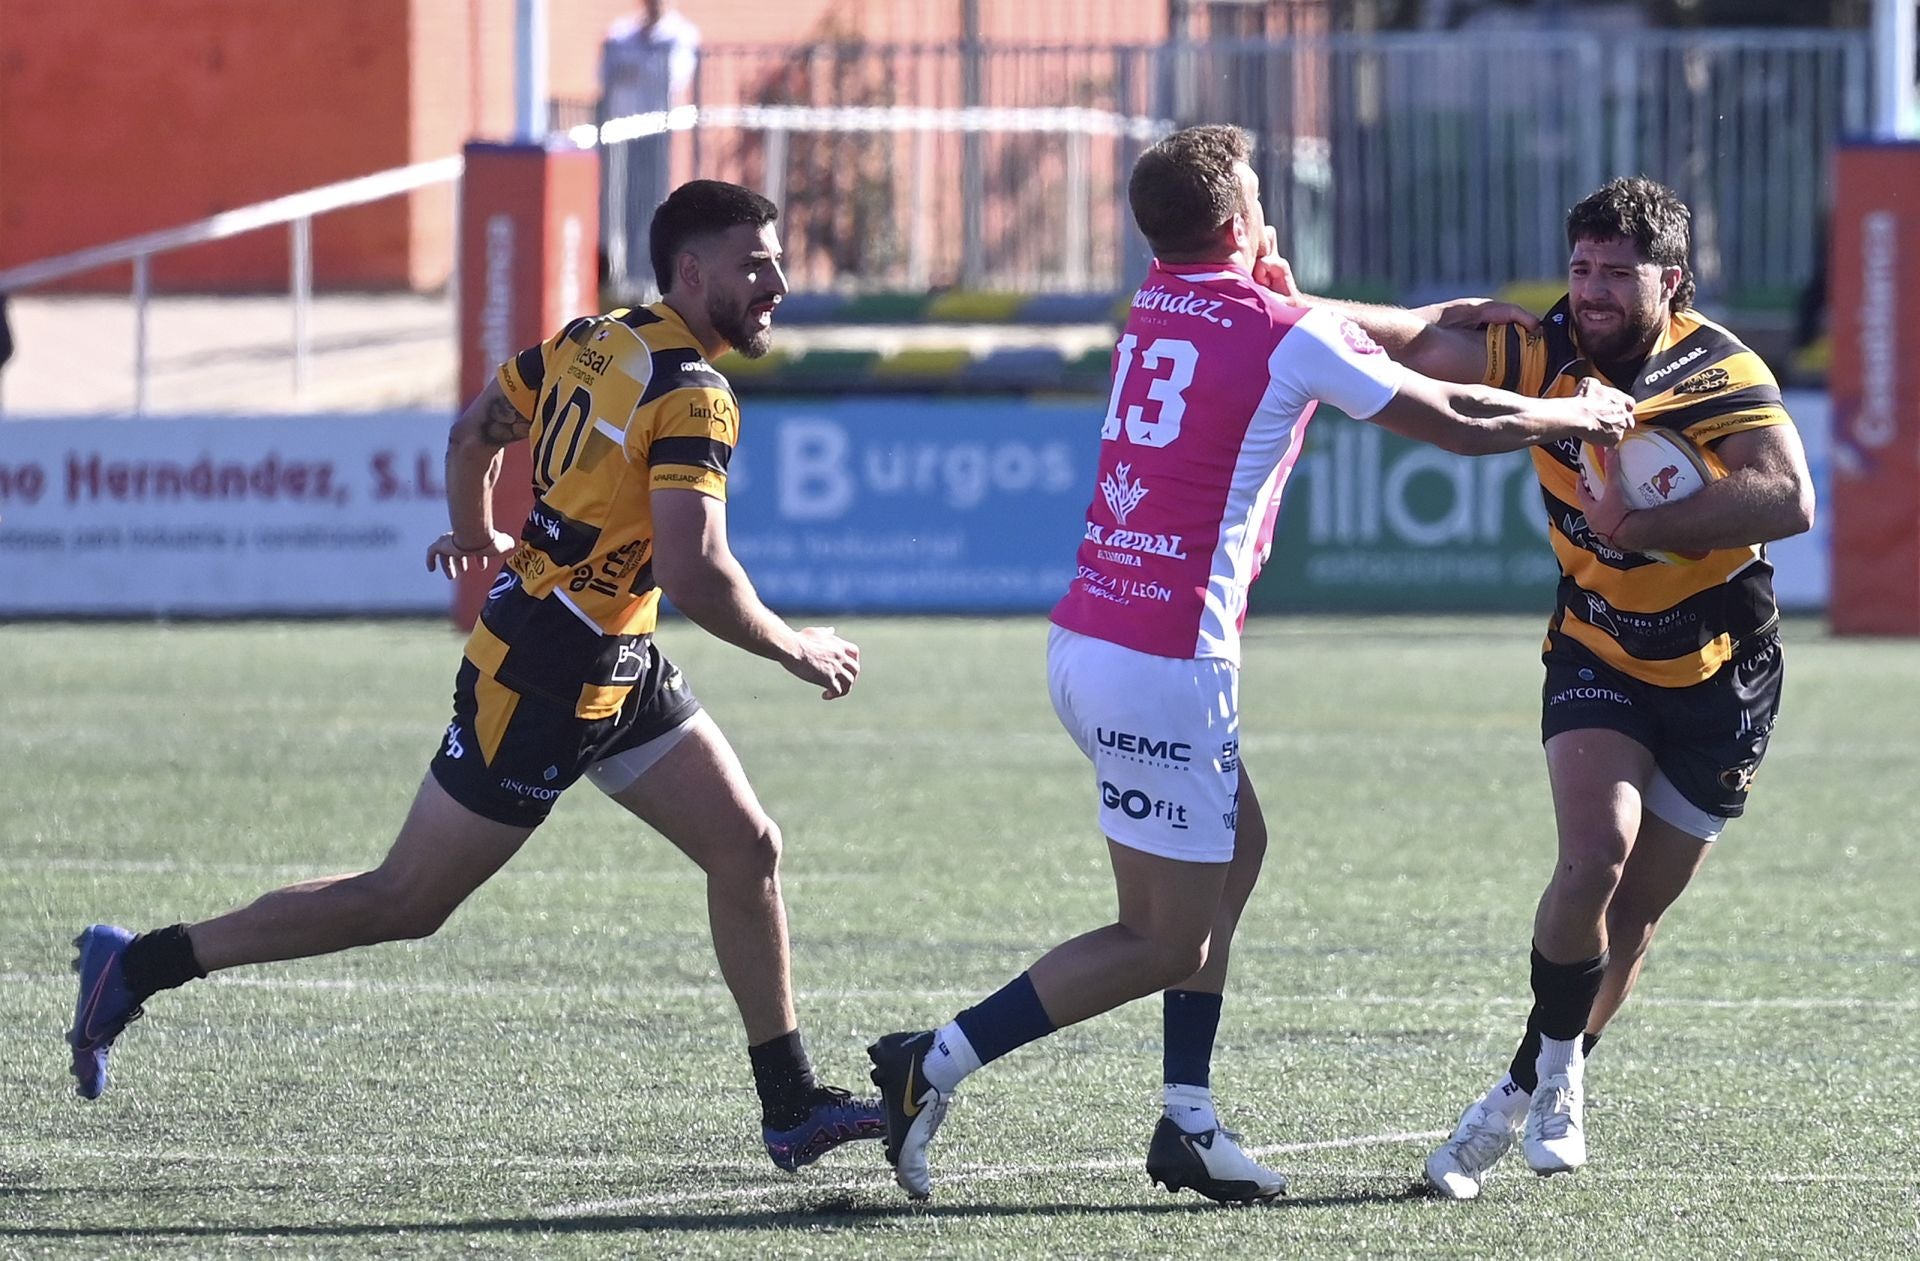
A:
(297, 211)
(1076, 126)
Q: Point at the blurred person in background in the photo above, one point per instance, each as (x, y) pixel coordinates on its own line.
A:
(1662, 680)
(646, 67)
(1214, 382)
(631, 432)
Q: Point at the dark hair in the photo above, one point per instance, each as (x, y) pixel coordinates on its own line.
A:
(695, 209)
(1185, 187)
(1646, 212)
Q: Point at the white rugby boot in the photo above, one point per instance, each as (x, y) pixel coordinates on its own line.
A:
(1555, 1139)
(1458, 1168)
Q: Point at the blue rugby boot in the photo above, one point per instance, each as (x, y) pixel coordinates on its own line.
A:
(106, 1006)
(835, 1118)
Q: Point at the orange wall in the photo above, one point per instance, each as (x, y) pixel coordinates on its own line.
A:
(122, 116)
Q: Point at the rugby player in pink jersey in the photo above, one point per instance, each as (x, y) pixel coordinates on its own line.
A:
(1214, 381)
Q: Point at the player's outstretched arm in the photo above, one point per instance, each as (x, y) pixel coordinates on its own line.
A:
(484, 428)
(697, 570)
(1480, 420)
(1442, 341)
(1767, 494)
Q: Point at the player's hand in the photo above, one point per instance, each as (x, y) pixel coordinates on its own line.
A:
(446, 554)
(828, 660)
(1271, 271)
(1605, 512)
(1477, 313)
(1605, 413)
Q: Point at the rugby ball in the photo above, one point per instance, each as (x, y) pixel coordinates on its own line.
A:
(1657, 466)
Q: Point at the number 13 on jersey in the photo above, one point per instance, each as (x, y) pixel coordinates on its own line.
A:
(1164, 393)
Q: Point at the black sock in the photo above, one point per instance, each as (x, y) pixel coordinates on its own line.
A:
(1587, 1042)
(784, 1077)
(1563, 995)
(159, 960)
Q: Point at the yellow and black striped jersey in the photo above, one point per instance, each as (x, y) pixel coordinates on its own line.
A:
(621, 404)
(1669, 625)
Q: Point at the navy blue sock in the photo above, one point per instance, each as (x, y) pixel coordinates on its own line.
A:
(1009, 1018)
(1190, 1019)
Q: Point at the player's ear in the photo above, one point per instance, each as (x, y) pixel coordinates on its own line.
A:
(687, 269)
(1670, 282)
(1240, 236)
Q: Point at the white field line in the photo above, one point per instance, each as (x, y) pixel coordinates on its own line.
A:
(469, 989)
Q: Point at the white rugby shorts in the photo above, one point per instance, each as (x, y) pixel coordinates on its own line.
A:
(1163, 735)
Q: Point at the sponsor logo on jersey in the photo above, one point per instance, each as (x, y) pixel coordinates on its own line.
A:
(1738, 778)
(589, 363)
(1120, 590)
(1121, 495)
(1167, 545)
(1574, 525)
(1358, 340)
(1158, 299)
(1661, 373)
(455, 749)
(1704, 382)
(1138, 805)
(1144, 748)
(1230, 760)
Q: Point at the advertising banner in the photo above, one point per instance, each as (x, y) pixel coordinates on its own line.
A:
(221, 516)
(1376, 523)
(912, 504)
(860, 505)
(1876, 400)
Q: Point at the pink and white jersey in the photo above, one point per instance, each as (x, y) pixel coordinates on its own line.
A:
(1214, 381)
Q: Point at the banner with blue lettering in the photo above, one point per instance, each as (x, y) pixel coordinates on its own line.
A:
(909, 504)
(969, 505)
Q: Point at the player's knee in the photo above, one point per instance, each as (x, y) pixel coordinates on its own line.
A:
(753, 860)
(1177, 958)
(1592, 869)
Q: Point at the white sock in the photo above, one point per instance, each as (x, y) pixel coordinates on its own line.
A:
(1559, 1057)
(1507, 1098)
(951, 1059)
(1191, 1108)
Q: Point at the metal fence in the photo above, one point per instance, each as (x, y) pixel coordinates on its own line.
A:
(1403, 164)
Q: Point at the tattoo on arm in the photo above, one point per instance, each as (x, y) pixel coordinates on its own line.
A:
(503, 424)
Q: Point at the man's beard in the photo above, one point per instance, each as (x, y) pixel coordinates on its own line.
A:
(1635, 331)
(751, 340)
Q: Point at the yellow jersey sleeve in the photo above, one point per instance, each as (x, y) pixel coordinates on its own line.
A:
(522, 377)
(1516, 359)
(686, 439)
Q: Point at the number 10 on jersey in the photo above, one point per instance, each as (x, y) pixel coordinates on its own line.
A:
(1165, 394)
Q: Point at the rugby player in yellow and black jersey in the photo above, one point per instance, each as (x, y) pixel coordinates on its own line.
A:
(631, 430)
(1662, 680)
